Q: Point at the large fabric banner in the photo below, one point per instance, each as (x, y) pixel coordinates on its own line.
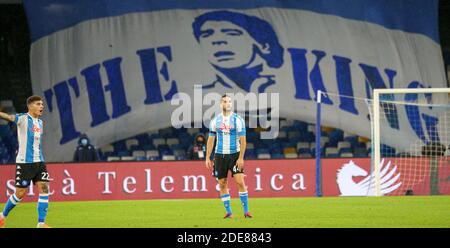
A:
(114, 69)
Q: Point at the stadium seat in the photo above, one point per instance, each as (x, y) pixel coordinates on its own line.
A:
(350, 138)
(181, 157)
(143, 139)
(360, 152)
(387, 151)
(168, 157)
(144, 158)
(127, 158)
(336, 135)
(346, 155)
(123, 153)
(263, 156)
(155, 136)
(300, 125)
(135, 148)
(158, 141)
(302, 145)
(286, 144)
(262, 150)
(308, 137)
(193, 131)
(289, 150)
(282, 134)
(290, 155)
(148, 147)
(108, 148)
(250, 154)
(277, 156)
(172, 141)
(138, 153)
(164, 148)
(275, 150)
(251, 136)
(363, 139)
(130, 142)
(152, 154)
(304, 155)
(304, 151)
(311, 128)
(343, 144)
(325, 129)
(358, 144)
(295, 139)
(105, 155)
(153, 158)
(345, 150)
(331, 152)
(177, 147)
(179, 152)
(250, 146)
(294, 134)
(284, 123)
(112, 158)
(324, 141)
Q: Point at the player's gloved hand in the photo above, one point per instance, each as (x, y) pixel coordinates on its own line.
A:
(240, 164)
(208, 163)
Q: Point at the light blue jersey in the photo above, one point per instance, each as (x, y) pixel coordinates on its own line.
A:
(227, 130)
(29, 134)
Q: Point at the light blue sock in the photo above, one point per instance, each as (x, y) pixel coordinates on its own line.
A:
(42, 207)
(226, 202)
(10, 204)
(244, 200)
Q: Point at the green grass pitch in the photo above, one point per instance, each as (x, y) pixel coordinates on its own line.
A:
(403, 211)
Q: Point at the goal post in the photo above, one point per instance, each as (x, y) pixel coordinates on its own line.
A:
(415, 124)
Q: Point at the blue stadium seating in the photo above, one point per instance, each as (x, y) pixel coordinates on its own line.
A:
(294, 132)
(277, 155)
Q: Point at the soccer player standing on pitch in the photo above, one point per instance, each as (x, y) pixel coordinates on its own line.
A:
(229, 128)
(29, 162)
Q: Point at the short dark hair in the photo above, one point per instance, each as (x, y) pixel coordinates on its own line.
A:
(225, 95)
(257, 28)
(33, 99)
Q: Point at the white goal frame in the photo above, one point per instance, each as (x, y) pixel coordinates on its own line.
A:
(376, 124)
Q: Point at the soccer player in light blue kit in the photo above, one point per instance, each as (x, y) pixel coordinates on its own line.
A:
(30, 166)
(229, 128)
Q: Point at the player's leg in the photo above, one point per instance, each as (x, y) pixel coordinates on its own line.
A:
(225, 196)
(238, 176)
(221, 172)
(243, 193)
(42, 206)
(22, 181)
(13, 200)
(42, 182)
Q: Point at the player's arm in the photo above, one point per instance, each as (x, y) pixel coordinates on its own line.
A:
(209, 148)
(243, 144)
(7, 117)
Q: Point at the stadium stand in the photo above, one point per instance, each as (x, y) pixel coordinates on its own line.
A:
(295, 140)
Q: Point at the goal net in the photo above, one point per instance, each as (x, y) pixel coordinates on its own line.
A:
(410, 141)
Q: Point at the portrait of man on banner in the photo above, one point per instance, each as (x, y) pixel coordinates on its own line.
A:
(242, 49)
